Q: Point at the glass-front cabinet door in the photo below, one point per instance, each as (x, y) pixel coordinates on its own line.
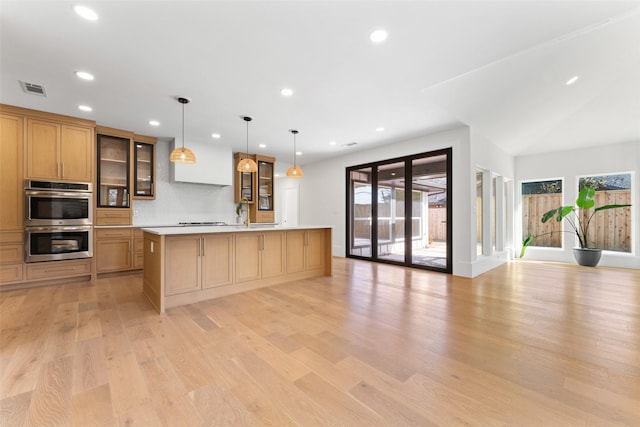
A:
(113, 172)
(262, 210)
(265, 186)
(144, 187)
(246, 189)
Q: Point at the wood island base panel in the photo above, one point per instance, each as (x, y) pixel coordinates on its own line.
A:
(184, 265)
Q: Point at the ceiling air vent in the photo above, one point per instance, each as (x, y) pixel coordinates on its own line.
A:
(33, 88)
(349, 144)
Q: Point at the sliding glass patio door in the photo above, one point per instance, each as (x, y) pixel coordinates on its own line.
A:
(398, 211)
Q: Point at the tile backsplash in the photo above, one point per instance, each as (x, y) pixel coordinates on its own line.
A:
(181, 201)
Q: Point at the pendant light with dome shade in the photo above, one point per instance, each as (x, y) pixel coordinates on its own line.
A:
(294, 171)
(182, 154)
(247, 164)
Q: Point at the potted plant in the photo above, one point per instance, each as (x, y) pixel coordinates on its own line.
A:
(579, 219)
(239, 213)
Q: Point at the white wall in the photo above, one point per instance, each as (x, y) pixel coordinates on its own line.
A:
(182, 202)
(323, 189)
(570, 165)
(487, 156)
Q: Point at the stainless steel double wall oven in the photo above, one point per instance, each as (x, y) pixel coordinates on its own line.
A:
(58, 220)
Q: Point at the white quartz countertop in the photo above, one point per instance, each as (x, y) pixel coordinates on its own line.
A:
(205, 229)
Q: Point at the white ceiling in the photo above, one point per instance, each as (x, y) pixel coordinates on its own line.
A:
(497, 66)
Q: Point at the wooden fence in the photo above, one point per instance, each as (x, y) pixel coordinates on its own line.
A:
(610, 229)
(438, 224)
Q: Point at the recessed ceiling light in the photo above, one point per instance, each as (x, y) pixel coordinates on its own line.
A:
(379, 129)
(154, 123)
(262, 145)
(378, 36)
(572, 80)
(84, 75)
(85, 12)
(84, 108)
(298, 153)
(286, 92)
(215, 135)
(332, 143)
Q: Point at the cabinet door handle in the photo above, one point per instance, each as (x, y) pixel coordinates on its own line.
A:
(62, 167)
(262, 242)
(306, 238)
(202, 243)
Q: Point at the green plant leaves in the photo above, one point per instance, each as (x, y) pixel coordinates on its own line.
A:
(585, 198)
(526, 243)
(548, 215)
(601, 208)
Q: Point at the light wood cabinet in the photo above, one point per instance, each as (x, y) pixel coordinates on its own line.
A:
(11, 257)
(11, 182)
(58, 269)
(195, 262)
(138, 249)
(118, 249)
(305, 250)
(113, 249)
(11, 198)
(11, 273)
(45, 146)
(126, 170)
(259, 255)
(59, 151)
(217, 260)
(188, 268)
(182, 261)
(257, 188)
(243, 181)
(144, 167)
(114, 169)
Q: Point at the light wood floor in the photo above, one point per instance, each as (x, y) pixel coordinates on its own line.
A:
(527, 344)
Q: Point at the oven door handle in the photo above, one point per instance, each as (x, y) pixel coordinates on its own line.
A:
(60, 228)
(58, 194)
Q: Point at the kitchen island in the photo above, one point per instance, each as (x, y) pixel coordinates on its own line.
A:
(184, 265)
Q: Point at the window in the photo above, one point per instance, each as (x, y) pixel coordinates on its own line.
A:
(610, 229)
(494, 211)
(479, 208)
(539, 197)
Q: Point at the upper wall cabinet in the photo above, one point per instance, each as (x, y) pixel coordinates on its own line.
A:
(257, 189)
(263, 209)
(114, 171)
(126, 171)
(243, 181)
(113, 189)
(59, 151)
(213, 165)
(144, 166)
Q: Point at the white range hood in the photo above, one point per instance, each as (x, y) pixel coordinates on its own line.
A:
(214, 165)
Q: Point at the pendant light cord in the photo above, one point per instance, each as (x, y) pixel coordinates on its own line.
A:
(294, 149)
(183, 127)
